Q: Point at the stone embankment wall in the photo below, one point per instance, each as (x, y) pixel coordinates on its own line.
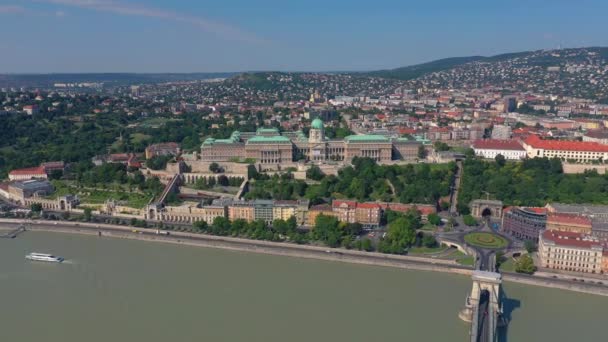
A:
(581, 168)
(556, 284)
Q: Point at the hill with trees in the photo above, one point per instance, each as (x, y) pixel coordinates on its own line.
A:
(532, 182)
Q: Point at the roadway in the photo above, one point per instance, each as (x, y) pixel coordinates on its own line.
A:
(484, 333)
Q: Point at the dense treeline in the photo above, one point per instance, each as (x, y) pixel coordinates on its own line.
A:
(75, 135)
(108, 174)
(365, 180)
(533, 182)
(282, 187)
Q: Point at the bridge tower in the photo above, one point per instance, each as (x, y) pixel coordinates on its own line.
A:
(483, 307)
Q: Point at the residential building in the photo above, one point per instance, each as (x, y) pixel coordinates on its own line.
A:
(241, 210)
(345, 210)
(368, 214)
(321, 209)
(524, 223)
(164, 149)
(573, 252)
(21, 190)
(28, 173)
(501, 132)
(572, 223)
(597, 136)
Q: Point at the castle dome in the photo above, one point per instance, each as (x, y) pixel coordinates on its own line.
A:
(316, 124)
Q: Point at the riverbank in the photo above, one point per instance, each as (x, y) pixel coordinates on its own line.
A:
(297, 251)
(252, 246)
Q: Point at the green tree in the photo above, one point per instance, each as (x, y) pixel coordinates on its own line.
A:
(421, 152)
(500, 160)
(252, 172)
(429, 241)
(201, 226)
(400, 235)
(441, 146)
(469, 220)
(525, 264)
(223, 180)
(327, 230)
(530, 246)
(36, 207)
(87, 214)
(434, 219)
(367, 245)
(315, 173)
(214, 167)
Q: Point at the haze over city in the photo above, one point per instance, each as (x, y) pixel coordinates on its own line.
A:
(45, 36)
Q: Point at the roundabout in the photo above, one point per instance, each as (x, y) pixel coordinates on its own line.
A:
(486, 240)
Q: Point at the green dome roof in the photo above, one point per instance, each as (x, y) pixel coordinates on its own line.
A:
(317, 124)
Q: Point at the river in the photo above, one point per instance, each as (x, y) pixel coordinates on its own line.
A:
(125, 290)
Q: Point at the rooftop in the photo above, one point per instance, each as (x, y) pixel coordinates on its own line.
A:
(597, 134)
(536, 142)
(38, 170)
(366, 138)
(491, 144)
(568, 218)
(279, 139)
(316, 124)
(568, 239)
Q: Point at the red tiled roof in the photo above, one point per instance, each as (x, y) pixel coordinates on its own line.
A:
(38, 170)
(568, 218)
(536, 142)
(407, 130)
(498, 145)
(349, 204)
(368, 205)
(569, 239)
(538, 210)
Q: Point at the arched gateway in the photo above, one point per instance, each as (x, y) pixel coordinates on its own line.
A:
(486, 208)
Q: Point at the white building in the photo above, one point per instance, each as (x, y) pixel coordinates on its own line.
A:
(510, 149)
(566, 150)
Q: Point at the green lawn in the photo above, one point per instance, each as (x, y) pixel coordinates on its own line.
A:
(139, 137)
(427, 250)
(486, 240)
(429, 227)
(508, 265)
(131, 199)
(466, 260)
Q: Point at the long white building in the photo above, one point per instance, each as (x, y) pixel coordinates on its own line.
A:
(510, 149)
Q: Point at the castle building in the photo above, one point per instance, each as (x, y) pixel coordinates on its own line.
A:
(270, 147)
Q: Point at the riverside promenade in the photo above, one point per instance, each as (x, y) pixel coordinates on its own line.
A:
(291, 250)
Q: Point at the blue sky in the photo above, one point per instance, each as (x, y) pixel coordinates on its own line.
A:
(313, 35)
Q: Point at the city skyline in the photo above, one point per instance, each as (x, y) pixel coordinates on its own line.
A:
(232, 36)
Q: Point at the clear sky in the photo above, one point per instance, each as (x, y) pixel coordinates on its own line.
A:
(296, 35)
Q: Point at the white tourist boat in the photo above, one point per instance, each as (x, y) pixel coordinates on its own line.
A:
(43, 257)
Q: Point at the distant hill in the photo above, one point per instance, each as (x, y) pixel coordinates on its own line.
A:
(47, 80)
(415, 71)
(578, 72)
